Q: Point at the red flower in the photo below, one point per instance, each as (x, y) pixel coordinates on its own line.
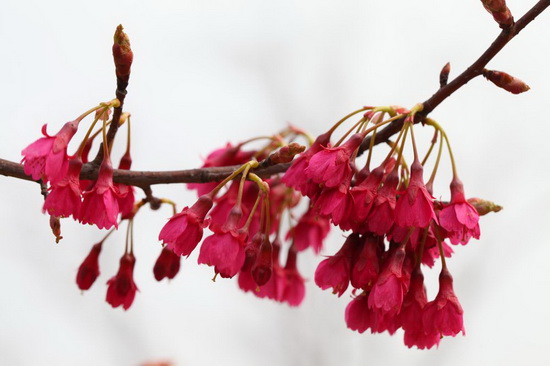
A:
(100, 205)
(460, 219)
(444, 314)
(183, 231)
(412, 313)
(358, 315)
(415, 206)
(366, 264)
(392, 284)
(65, 197)
(225, 248)
(331, 166)
(310, 231)
(382, 215)
(122, 289)
(363, 198)
(89, 269)
(295, 176)
(335, 271)
(167, 265)
(46, 158)
(294, 287)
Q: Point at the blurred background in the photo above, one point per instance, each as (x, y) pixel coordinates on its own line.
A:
(209, 72)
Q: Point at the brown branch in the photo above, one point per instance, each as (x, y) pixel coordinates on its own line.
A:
(144, 179)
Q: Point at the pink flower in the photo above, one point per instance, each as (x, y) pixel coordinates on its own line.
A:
(366, 264)
(294, 287)
(358, 315)
(310, 231)
(460, 219)
(183, 231)
(167, 265)
(225, 248)
(415, 206)
(331, 166)
(444, 314)
(46, 158)
(89, 269)
(363, 198)
(329, 200)
(295, 176)
(412, 313)
(335, 271)
(122, 289)
(65, 197)
(392, 284)
(382, 214)
(100, 204)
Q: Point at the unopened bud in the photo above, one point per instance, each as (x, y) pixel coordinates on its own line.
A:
(444, 75)
(122, 54)
(55, 225)
(286, 153)
(483, 207)
(506, 81)
(500, 12)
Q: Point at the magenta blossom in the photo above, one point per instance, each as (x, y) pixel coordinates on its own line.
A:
(184, 230)
(310, 231)
(100, 204)
(46, 158)
(335, 270)
(225, 248)
(122, 288)
(415, 206)
(460, 219)
(331, 166)
(65, 197)
(89, 269)
(444, 314)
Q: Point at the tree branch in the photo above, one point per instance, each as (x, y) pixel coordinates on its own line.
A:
(145, 179)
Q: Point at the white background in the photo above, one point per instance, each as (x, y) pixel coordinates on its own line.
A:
(210, 72)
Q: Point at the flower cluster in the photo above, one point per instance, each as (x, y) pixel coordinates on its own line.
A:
(244, 217)
(395, 226)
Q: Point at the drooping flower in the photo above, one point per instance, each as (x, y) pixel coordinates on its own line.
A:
(415, 206)
(358, 314)
(382, 214)
(100, 204)
(46, 158)
(331, 166)
(167, 265)
(334, 272)
(310, 231)
(366, 265)
(296, 177)
(392, 284)
(294, 287)
(412, 313)
(184, 230)
(363, 198)
(65, 197)
(460, 219)
(122, 288)
(444, 314)
(224, 249)
(89, 269)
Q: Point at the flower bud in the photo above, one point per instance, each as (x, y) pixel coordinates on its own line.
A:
(506, 81)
